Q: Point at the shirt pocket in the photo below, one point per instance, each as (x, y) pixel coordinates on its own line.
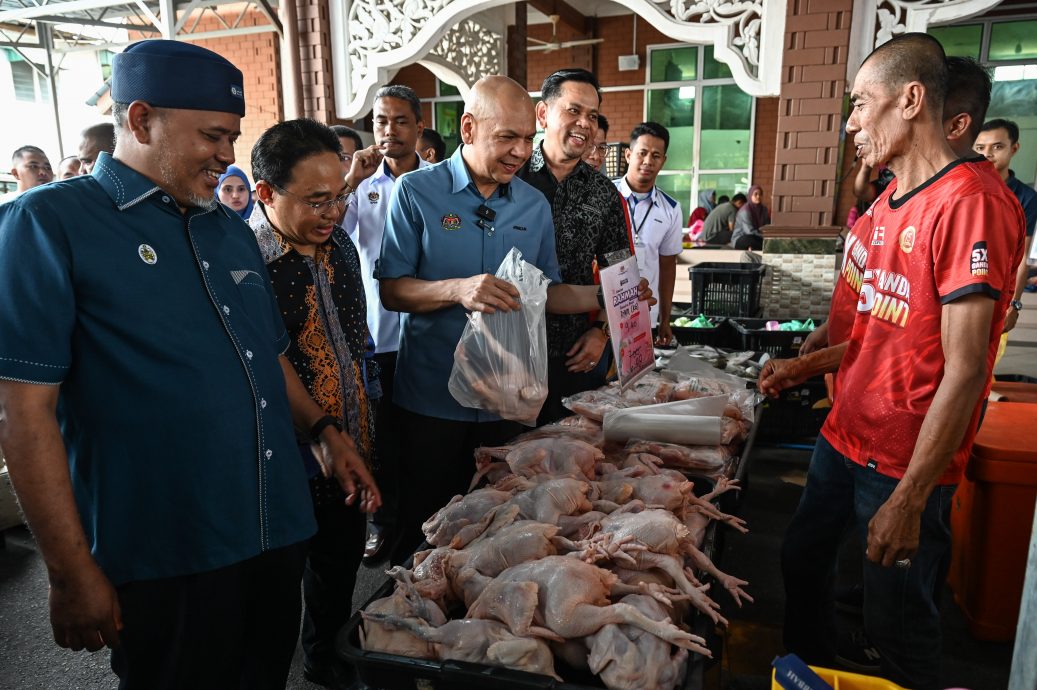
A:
(261, 313)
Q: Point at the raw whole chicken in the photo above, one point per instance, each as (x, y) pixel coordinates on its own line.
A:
(500, 382)
(628, 658)
(575, 427)
(476, 641)
(570, 598)
(449, 575)
(707, 458)
(548, 500)
(404, 602)
(595, 404)
(464, 518)
(556, 457)
(657, 539)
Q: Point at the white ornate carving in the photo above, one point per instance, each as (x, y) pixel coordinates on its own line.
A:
(745, 18)
(877, 21)
(371, 39)
(471, 50)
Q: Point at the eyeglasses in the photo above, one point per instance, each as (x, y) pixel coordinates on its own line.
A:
(602, 148)
(318, 207)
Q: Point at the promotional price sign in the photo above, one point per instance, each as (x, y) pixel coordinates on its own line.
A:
(629, 321)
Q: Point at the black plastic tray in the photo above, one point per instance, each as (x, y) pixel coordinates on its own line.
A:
(393, 672)
(753, 335)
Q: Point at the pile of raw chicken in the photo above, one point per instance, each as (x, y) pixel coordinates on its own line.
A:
(574, 550)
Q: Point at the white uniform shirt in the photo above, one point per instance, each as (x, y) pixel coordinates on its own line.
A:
(365, 222)
(658, 224)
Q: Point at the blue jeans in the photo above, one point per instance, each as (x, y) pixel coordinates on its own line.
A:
(901, 613)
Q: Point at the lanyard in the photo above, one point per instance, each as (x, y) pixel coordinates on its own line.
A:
(637, 228)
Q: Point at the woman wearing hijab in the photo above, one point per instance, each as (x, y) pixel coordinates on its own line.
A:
(751, 217)
(235, 191)
(707, 202)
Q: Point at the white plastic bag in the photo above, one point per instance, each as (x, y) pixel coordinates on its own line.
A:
(500, 364)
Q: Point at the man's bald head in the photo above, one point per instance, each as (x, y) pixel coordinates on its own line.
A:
(497, 129)
(912, 57)
(493, 95)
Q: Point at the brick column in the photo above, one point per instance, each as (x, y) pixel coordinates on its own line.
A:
(813, 83)
(315, 60)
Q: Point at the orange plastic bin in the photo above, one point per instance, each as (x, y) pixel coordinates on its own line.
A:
(991, 517)
(1016, 391)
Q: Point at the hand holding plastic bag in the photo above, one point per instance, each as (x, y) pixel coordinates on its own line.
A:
(500, 364)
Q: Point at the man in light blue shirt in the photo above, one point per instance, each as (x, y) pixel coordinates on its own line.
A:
(448, 230)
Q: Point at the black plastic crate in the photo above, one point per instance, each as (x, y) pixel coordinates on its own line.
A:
(718, 336)
(1015, 378)
(726, 289)
(753, 335)
(791, 416)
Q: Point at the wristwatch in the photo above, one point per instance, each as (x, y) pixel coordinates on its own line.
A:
(1016, 304)
(604, 326)
(321, 424)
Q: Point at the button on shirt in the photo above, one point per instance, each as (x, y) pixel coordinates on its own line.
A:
(163, 333)
(365, 223)
(431, 234)
(656, 221)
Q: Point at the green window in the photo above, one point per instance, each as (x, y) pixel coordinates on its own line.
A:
(709, 118)
(962, 41)
(1013, 41)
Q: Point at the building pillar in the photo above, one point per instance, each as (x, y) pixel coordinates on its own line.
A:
(810, 111)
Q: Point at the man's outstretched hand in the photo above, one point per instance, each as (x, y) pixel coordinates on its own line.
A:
(779, 374)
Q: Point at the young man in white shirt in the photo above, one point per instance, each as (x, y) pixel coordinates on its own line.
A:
(397, 124)
(655, 218)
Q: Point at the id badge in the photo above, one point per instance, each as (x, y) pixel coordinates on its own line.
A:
(640, 251)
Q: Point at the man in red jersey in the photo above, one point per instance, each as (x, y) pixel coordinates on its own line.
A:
(936, 282)
(964, 111)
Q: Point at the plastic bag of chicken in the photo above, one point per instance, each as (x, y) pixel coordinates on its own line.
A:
(500, 363)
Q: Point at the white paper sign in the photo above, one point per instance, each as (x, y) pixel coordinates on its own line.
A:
(629, 321)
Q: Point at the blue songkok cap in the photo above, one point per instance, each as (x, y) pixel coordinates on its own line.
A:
(174, 74)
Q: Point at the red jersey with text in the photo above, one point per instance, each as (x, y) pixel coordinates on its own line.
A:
(957, 234)
(851, 274)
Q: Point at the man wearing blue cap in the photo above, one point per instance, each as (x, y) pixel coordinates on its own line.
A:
(146, 409)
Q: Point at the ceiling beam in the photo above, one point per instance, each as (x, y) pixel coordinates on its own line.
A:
(77, 21)
(570, 16)
(63, 7)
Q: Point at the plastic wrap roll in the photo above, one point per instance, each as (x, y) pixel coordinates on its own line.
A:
(672, 428)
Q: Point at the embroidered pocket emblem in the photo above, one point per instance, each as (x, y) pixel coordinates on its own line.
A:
(451, 221)
(373, 197)
(147, 254)
(907, 239)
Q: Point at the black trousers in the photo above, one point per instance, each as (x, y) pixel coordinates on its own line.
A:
(562, 383)
(749, 242)
(386, 452)
(235, 627)
(436, 463)
(332, 561)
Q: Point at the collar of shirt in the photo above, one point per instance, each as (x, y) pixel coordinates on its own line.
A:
(627, 192)
(127, 187)
(272, 244)
(461, 176)
(383, 174)
(538, 162)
